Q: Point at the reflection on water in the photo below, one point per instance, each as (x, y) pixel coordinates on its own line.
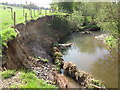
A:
(91, 56)
(107, 69)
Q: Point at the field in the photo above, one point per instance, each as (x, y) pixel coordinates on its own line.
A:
(6, 22)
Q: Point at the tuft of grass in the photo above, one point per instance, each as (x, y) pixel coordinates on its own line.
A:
(30, 80)
(42, 59)
(7, 34)
(46, 60)
(7, 74)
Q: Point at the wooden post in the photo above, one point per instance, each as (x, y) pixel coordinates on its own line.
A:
(25, 17)
(34, 12)
(38, 12)
(31, 13)
(45, 11)
(23, 11)
(14, 21)
(12, 13)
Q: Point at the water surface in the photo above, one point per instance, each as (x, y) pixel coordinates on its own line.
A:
(92, 56)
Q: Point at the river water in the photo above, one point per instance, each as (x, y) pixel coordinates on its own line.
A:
(92, 56)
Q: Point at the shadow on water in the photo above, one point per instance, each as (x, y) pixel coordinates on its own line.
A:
(92, 56)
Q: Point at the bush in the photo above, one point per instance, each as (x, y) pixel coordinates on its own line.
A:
(60, 23)
(111, 41)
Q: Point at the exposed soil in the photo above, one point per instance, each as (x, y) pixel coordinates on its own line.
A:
(34, 38)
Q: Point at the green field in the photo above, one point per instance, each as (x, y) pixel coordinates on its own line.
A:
(6, 22)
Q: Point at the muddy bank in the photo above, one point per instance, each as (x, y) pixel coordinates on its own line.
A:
(34, 39)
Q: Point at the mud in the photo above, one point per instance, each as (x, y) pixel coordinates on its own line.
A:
(34, 39)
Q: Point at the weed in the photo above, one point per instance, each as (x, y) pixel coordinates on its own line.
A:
(46, 60)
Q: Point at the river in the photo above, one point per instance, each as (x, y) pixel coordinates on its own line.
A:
(92, 56)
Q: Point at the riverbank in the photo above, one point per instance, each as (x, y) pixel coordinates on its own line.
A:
(84, 79)
(22, 51)
(92, 56)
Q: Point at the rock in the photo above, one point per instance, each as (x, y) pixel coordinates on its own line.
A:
(86, 32)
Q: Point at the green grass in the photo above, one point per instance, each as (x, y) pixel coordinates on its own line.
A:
(42, 59)
(30, 80)
(7, 34)
(7, 74)
(6, 20)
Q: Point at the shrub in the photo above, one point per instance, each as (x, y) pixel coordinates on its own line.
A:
(111, 41)
(60, 23)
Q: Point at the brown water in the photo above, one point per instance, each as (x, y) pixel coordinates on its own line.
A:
(92, 56)
(72, 83)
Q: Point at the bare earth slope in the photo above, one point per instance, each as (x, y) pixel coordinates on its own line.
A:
(34, 39)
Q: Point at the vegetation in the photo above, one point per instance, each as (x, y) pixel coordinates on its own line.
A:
(79, 16)
(92, 14)
(32, 81)
(57, 55)
(41, 59)
(7, 33)
(28, 79)
(111, 41)
(7, 74)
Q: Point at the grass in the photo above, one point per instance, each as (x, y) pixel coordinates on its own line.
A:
(6, 20)
(30, 80)
(42, 59)
(7, 34)
(7, 74)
